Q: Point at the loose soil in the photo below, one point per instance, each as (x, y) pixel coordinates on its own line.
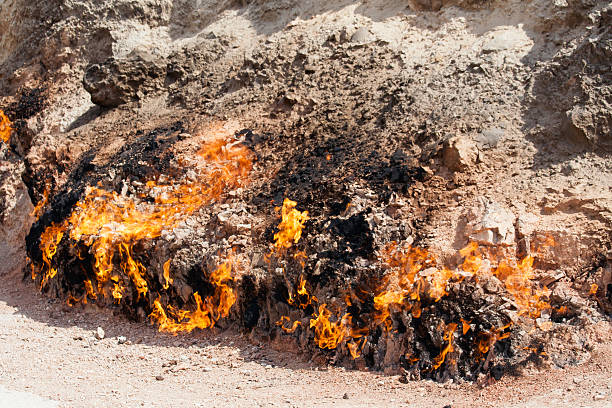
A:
(50, 350)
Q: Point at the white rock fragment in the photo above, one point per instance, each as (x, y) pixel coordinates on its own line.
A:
(99, 333)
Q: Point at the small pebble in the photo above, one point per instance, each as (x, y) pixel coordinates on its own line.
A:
(159, 378)
(599, 397)
(345, 396)
(100, 333)
(121, 339)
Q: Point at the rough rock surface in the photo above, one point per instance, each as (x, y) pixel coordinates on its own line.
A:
(349, 107)
(15, 214)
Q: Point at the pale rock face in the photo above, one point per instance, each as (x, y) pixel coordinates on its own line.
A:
(490, 224)
(460, 153)
(15, 217)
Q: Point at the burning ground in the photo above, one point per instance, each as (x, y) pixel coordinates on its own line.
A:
(179, 247)
(334, 195)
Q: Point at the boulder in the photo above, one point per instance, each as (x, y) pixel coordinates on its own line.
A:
(15, 216)
(119, 81)
(490, 224)
(459, 153)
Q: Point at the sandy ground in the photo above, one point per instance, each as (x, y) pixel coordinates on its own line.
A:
(48, 353)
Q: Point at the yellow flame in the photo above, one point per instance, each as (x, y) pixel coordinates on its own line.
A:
(167, 279)
(303, 298)
(356, 347)
(328, 334)
(5, 128)
(290, 227)
(207, 312)
(518, 280)
(415, 273)
(486, 340)
(284, 320)
(49, 240)
(37, 211)
(448, 337)
(110, 224)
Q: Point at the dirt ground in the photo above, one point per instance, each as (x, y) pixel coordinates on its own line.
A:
(50, 350)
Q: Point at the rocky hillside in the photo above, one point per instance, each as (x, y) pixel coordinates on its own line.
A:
(428, 124)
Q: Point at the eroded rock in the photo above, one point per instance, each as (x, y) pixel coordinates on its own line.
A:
(119, 81)
(15, 215)
(490, 224)
(459, 153)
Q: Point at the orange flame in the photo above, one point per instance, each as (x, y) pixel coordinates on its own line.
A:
(472, 258)
(593, 290)
(519, 282)
(382, 303)
(89, 290)
(414, 273)
(37, 211)
(167, 279)
(207, 311)
(448, 337)
(133, 269)
(328, 334)
(5, 128)
(49, 240)
(290, 228)
(486, 340)
(301, 257)
(465, 326)
(285, 319)
(110, 224)
(303, 298)
(356, 347)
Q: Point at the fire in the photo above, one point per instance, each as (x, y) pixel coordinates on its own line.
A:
(473, 258)
(134, 269)
(465, 326)
(415, 276)
(328, 334)
(5, 128)
(290, 228)
(383, 301)
(301, 257)
(303, 298)
(111, 224)
(448, 337)
(518, 279)
(356, 347)
(593, 290)
(282, 324)
(207, 311)
(167, 279)
(49, 240)
(486, 340)
(37, 211)
(89, 289)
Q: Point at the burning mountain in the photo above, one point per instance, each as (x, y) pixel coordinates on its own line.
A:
(410, 200)
(404, 310)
